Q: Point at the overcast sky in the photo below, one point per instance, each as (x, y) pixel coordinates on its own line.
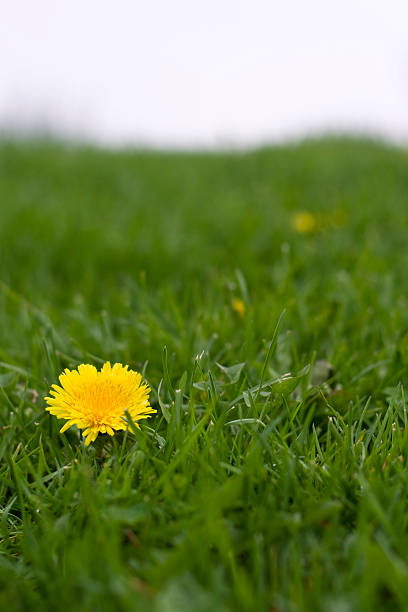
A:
(206, 72)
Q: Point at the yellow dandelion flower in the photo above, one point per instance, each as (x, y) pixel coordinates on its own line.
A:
(304, 222)
(239, 306)
(97, 401)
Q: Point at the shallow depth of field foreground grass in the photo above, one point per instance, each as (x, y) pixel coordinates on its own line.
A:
(274, 475)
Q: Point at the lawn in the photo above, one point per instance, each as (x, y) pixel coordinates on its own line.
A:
(264, 297)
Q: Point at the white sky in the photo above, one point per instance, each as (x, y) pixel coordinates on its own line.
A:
(204, 72)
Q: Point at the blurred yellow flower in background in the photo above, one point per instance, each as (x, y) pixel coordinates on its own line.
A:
(239, 306)
(304, 222)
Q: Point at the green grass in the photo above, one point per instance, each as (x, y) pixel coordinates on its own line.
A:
(249, 490)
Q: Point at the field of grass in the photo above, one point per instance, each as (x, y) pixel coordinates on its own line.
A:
(274, 475)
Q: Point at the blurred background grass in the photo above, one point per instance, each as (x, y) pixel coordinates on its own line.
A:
(68, 211)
